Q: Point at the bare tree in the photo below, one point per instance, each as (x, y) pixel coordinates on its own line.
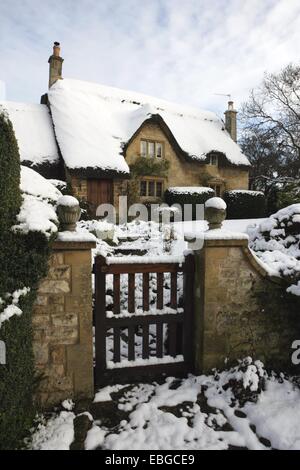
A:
(271, 124)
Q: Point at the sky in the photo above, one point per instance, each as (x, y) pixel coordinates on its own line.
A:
(185, 51)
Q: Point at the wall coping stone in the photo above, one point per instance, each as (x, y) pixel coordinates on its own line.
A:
(73, 245)
(225, 242)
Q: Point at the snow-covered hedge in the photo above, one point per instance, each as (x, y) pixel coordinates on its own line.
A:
(10, 197)
(28, 222)
(244, 204)
(192, 195)
(276, 241)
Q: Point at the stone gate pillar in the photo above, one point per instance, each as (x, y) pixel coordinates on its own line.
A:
(239, 309)
(62, 325)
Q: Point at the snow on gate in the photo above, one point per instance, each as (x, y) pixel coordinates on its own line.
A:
(143, 319)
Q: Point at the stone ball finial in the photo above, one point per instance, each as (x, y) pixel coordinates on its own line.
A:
(215, 212)
(68, 212)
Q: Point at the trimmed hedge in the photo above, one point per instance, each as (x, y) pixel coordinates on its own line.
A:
(243, 204)
(10, 196)
(191, 198)
(23, 261)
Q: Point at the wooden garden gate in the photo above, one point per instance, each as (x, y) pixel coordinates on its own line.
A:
(169, 317)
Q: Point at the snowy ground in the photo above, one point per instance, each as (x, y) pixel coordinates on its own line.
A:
(242, 407)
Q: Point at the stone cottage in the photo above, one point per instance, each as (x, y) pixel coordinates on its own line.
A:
(106, 141)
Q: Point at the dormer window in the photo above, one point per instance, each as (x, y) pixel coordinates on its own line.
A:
(151, 148)
(212, 159)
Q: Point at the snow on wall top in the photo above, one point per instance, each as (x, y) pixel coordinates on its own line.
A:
(190, 189)
(34, 131)
(92, 123)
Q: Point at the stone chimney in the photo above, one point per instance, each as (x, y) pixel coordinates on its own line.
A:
(230, 121)
(55, 65)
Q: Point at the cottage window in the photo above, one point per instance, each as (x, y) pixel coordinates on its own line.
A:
(143, 188)
(150, 148)
(151, 188)
(217, 189)
(212, 159)
(158, 149)
(143, 148)
(158, 189)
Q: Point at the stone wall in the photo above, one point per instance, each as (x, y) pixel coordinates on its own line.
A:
(240, 310)
(62, 325)
(79, 187)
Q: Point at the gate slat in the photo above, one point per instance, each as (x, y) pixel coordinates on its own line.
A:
(146, 292)
(116, 284)
(159, 339)
(146, 341)
(100, 323)
(172, 331)
(131, 338)
(173, 290)
(188, 300)
(160, 290)
(117, 344)
(131, 292)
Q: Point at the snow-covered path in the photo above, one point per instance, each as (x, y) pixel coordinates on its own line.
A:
(242, 407)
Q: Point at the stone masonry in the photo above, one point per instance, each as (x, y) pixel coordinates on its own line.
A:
(239, 309)
(182, 172)
(62, 326)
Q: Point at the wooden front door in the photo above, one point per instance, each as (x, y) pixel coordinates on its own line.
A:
(99, 192)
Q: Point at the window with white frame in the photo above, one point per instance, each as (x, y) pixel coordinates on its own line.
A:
(151, 148)
(212, 159)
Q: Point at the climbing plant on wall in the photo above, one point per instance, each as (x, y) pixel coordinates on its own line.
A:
(144, 167)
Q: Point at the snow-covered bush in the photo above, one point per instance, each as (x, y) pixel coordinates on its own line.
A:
(246, 380)
(244, 204)
(276, 241)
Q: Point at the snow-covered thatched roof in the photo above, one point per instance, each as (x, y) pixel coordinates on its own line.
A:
(34, 132)
(93, 123)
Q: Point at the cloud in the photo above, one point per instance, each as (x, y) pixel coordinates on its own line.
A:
(181, 51)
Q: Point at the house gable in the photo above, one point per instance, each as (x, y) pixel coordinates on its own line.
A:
(181, 170)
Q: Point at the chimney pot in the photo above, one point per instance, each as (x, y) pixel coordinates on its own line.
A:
(56, 49)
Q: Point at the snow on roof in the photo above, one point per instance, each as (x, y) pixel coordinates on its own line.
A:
(34, 131)
(93, 122)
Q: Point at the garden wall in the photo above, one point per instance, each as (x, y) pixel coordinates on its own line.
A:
(240, 310)
(62, 325)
